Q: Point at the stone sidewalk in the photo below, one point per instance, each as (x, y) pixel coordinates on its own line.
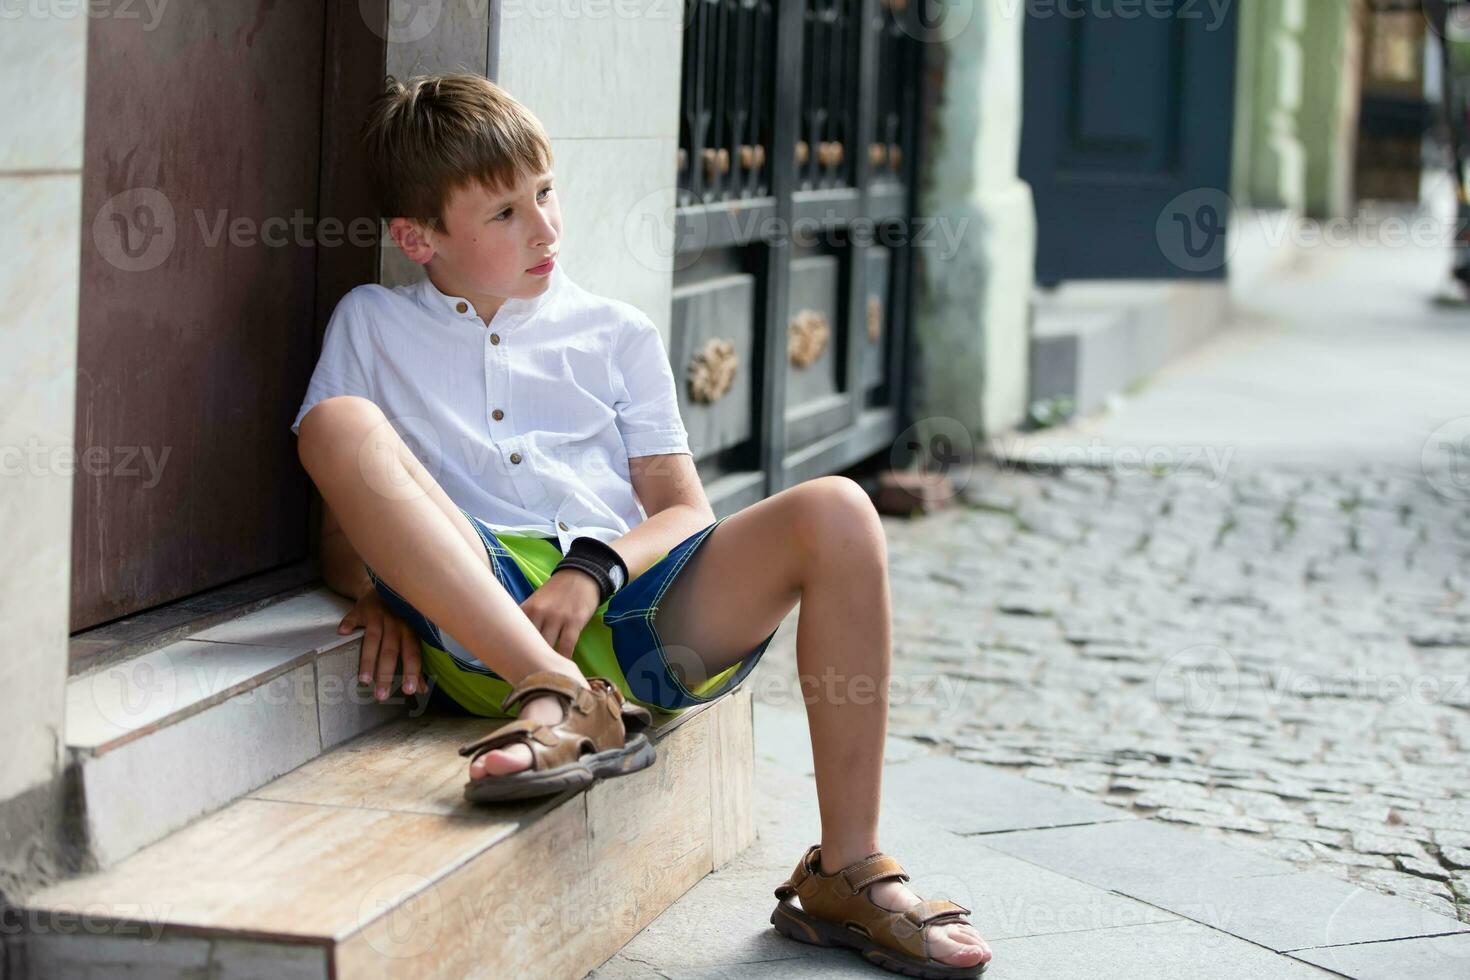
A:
(1061, 886)
(1186, 686)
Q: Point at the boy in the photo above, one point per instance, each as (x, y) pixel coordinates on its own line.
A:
(547, 544)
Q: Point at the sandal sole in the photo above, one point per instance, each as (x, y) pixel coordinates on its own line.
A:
(636, 754)
(794, 923)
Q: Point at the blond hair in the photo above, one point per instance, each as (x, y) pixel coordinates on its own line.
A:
(430, 135)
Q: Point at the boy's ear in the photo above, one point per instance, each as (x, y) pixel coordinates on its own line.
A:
(412, 239)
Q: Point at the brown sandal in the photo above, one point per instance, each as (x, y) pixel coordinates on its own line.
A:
(600, 736)
(836, 910)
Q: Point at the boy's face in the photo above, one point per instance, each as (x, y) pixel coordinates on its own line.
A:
(490, 241)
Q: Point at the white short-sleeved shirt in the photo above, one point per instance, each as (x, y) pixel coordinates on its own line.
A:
(528, 423)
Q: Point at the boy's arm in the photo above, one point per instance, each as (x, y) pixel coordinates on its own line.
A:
(672, 496)
(342, 566)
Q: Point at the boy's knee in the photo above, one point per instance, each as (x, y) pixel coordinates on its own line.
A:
(836, 505)
(330, 415)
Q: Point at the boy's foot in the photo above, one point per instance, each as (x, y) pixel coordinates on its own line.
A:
(545, 708)
(957, 944)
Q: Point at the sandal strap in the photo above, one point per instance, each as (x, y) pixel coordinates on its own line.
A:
(544, 682)
(595, 718)
(792, 885)
(934, 911)
(874, 867)
(856, 876)
(511, 731)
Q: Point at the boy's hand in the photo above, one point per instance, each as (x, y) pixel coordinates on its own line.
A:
(385, 638)
(563, 605)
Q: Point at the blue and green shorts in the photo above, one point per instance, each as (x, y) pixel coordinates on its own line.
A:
(620, 641)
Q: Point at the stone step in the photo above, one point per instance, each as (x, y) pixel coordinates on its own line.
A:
(269, 690)
(1093, 340)
(368, 862)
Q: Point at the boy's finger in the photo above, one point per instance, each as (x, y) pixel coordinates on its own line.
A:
(387, 663)
(412, 661)
(368, 659)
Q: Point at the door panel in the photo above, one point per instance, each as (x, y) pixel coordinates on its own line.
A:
(198, 281)
(1123, 114)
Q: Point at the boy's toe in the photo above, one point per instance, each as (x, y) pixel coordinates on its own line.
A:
(501, 762)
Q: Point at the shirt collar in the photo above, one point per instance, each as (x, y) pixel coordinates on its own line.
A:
(460, 308)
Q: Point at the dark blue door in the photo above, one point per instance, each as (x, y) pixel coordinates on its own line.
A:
(1126, 138)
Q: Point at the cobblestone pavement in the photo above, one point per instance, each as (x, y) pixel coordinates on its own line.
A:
(1276, 657)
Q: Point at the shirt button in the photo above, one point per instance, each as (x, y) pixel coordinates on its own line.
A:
(515, 457)
(562, 525)
(495, 338)
(461, 307)
(497, 415)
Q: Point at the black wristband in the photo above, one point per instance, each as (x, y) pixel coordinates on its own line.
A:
(597, 572)
(597, 558)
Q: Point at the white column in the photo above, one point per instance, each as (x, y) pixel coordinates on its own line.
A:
(43, 60)
(976, 275)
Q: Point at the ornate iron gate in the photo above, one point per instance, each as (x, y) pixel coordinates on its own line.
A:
(793, 246)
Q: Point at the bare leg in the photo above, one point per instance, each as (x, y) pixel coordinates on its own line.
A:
(821, 542)
(413, 536)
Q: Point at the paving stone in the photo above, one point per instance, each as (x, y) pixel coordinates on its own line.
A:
(966, 798)
(1133, 854)
(1202, 818)
(1436, 958)
(1294, 911)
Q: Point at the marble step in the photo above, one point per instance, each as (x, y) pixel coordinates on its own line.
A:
(368, 861)
(269, 690)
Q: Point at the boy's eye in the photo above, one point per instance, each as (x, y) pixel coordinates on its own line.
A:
(507, 211)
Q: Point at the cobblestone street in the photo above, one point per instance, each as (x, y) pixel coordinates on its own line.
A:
(1280, 659)
(1268, 652)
